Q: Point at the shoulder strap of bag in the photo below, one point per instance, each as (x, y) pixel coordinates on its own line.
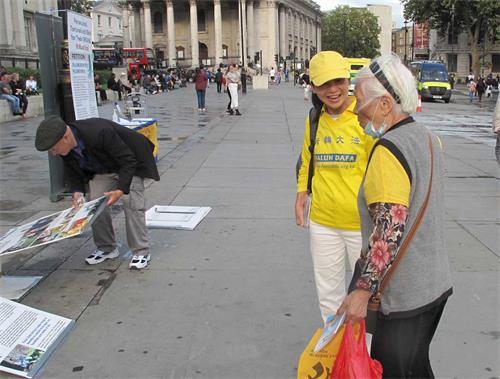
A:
(375, 301)
(314, 114)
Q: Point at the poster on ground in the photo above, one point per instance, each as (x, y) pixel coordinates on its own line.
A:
(175, 217)
(52, 228)
(27, 337)
(81, 65)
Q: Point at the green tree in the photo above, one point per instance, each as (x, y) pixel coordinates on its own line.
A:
(353, 32)
(80, 6)
(479, 19)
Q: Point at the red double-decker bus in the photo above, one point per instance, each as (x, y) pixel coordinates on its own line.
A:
(141, 55)
(138, 58)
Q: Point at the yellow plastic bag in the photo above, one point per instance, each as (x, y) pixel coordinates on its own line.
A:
(319, 365)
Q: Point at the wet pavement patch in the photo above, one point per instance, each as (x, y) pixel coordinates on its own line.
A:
(10, 205)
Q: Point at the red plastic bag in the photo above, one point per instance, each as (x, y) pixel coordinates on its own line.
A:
(353, 361)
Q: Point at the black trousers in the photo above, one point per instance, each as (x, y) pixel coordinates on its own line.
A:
(219, 87)
(401, 345)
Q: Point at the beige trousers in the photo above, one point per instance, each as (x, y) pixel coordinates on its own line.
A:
(329, 248)
(134, 205)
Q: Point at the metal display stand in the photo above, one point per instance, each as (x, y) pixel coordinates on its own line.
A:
(135, 105)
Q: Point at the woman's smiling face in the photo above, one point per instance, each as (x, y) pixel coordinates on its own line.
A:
(334, 93)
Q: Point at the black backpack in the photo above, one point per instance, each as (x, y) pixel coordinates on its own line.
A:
(314, 114)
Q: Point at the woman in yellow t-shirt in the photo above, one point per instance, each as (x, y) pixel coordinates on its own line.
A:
(340, 155)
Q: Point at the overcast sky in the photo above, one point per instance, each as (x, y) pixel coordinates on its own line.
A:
(397, 8)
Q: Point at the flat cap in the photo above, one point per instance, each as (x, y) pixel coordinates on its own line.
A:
(49, 132)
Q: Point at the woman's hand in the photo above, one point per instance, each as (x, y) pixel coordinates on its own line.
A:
(355, 305)
(300, 206)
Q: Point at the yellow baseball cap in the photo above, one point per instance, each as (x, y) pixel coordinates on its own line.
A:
(326, 66)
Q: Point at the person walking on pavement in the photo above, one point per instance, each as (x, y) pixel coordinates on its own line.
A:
(110, 160)
(480, 88)
(401, 207)
(200, 83)
(471, 85)
(233, 81)
(496, 129)
(218, 80)
(340, 157)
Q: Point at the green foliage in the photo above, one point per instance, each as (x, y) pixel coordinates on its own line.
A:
(81, 6)
(103, 77)
(474, 17)
(24, 73)
(353, 32)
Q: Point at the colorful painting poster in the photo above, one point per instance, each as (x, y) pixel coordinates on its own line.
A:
(52, 228)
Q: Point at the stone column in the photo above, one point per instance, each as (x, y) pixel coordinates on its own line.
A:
(18, 25)
(319, 37)
(6, 32)
(283, 32)
(193, 12)
(250, 30)
(142, 40)
(171, 34)
(138, 28)
(272, 33)
(218, 32)
(244, 50)
(126, 29)
(147, 24)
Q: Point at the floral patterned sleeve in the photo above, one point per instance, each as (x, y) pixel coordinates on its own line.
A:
(389, 223)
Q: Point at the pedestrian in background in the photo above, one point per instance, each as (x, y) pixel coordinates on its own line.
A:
(98, 88)
(306, 85)
(471, 85)
(480, 88)
(218, 80)
(404, 174)
(340, 158)
(496, 129)
(233, 81)
(200, 83)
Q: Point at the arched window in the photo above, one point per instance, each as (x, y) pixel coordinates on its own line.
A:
(158, 22)
(224, 51)
(202, 24)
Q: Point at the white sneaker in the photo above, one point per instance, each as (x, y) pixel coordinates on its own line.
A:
(99, 256)
(139, 261)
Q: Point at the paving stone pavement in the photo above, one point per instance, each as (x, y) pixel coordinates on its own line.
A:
(235, 298)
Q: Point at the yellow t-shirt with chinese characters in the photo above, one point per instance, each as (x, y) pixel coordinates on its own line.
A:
(386, 180)
(341, 153)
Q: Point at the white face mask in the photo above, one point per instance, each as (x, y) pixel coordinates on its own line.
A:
(370, 128)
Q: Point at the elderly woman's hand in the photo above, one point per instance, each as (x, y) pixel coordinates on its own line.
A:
(355, 305)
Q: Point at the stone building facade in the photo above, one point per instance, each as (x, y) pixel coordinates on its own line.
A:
(18, 41)
(190, 32)
(455, 52)
(384, 18)
(106, 24)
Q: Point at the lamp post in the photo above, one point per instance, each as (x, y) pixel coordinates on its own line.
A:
(452, 39)
(406, 34)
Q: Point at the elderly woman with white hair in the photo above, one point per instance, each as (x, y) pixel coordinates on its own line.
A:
(403, 271)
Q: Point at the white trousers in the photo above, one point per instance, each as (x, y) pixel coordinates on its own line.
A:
(233, 90)
(328, 249)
